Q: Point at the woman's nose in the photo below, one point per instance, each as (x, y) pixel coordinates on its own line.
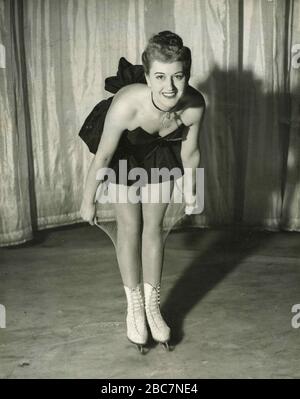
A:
(169, 84)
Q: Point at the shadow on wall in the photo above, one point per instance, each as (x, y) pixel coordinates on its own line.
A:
(244, 128)
(244, 149)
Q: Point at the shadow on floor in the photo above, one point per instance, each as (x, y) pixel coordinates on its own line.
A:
(218, 255)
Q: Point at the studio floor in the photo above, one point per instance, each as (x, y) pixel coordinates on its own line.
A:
(227, 296)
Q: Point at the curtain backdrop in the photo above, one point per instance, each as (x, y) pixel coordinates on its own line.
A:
(55, 55)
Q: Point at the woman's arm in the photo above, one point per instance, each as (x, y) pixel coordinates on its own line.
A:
(190, 153)
(116, 121)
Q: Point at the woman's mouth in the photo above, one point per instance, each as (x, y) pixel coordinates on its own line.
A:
(169, 94)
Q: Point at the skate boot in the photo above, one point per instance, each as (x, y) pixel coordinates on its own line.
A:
(135, 319)
(159, 329)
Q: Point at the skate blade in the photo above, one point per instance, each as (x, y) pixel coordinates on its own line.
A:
(165, 346)
(140, 347)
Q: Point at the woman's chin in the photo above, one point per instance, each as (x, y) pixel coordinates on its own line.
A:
(169, 102)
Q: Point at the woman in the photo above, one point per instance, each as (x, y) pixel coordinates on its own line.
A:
(153, 125)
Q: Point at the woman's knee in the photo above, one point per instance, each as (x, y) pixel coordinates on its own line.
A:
(153, 228)
(129, 227)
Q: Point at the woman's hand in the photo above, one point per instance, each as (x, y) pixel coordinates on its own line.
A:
(191, 204)
(87, 212)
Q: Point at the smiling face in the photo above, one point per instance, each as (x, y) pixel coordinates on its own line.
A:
(167, 82)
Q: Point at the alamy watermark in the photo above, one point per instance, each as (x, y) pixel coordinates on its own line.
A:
(296, 56)
(138, 185)
(2, 316)
(296, 319)
(2, 56)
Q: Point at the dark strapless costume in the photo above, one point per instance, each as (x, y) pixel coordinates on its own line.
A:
(139, 148)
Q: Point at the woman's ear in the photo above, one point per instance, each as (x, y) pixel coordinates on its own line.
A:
(147, 80)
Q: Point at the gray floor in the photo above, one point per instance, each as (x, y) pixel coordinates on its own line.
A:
(226, 295)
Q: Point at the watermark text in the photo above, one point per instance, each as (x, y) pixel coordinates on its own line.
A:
(2, 316)
(296, 319)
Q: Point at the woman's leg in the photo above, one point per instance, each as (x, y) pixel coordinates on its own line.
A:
(128, 248)
(153, 210)
(152, 260)
(129, 230)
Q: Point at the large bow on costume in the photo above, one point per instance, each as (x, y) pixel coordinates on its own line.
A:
(92, 127)
(126, 75)
(160, 141)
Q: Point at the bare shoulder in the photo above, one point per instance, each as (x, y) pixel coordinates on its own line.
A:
(194, 106)
(125, 104)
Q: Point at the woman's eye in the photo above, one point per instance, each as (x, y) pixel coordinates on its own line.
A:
(179, 77)
(160, 77)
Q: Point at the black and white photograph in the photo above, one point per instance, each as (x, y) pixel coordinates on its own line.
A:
(149, 192)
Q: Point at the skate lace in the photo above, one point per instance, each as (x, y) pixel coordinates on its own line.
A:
(155, 300)
(157, 323)
(136, 299)
(135, 311)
